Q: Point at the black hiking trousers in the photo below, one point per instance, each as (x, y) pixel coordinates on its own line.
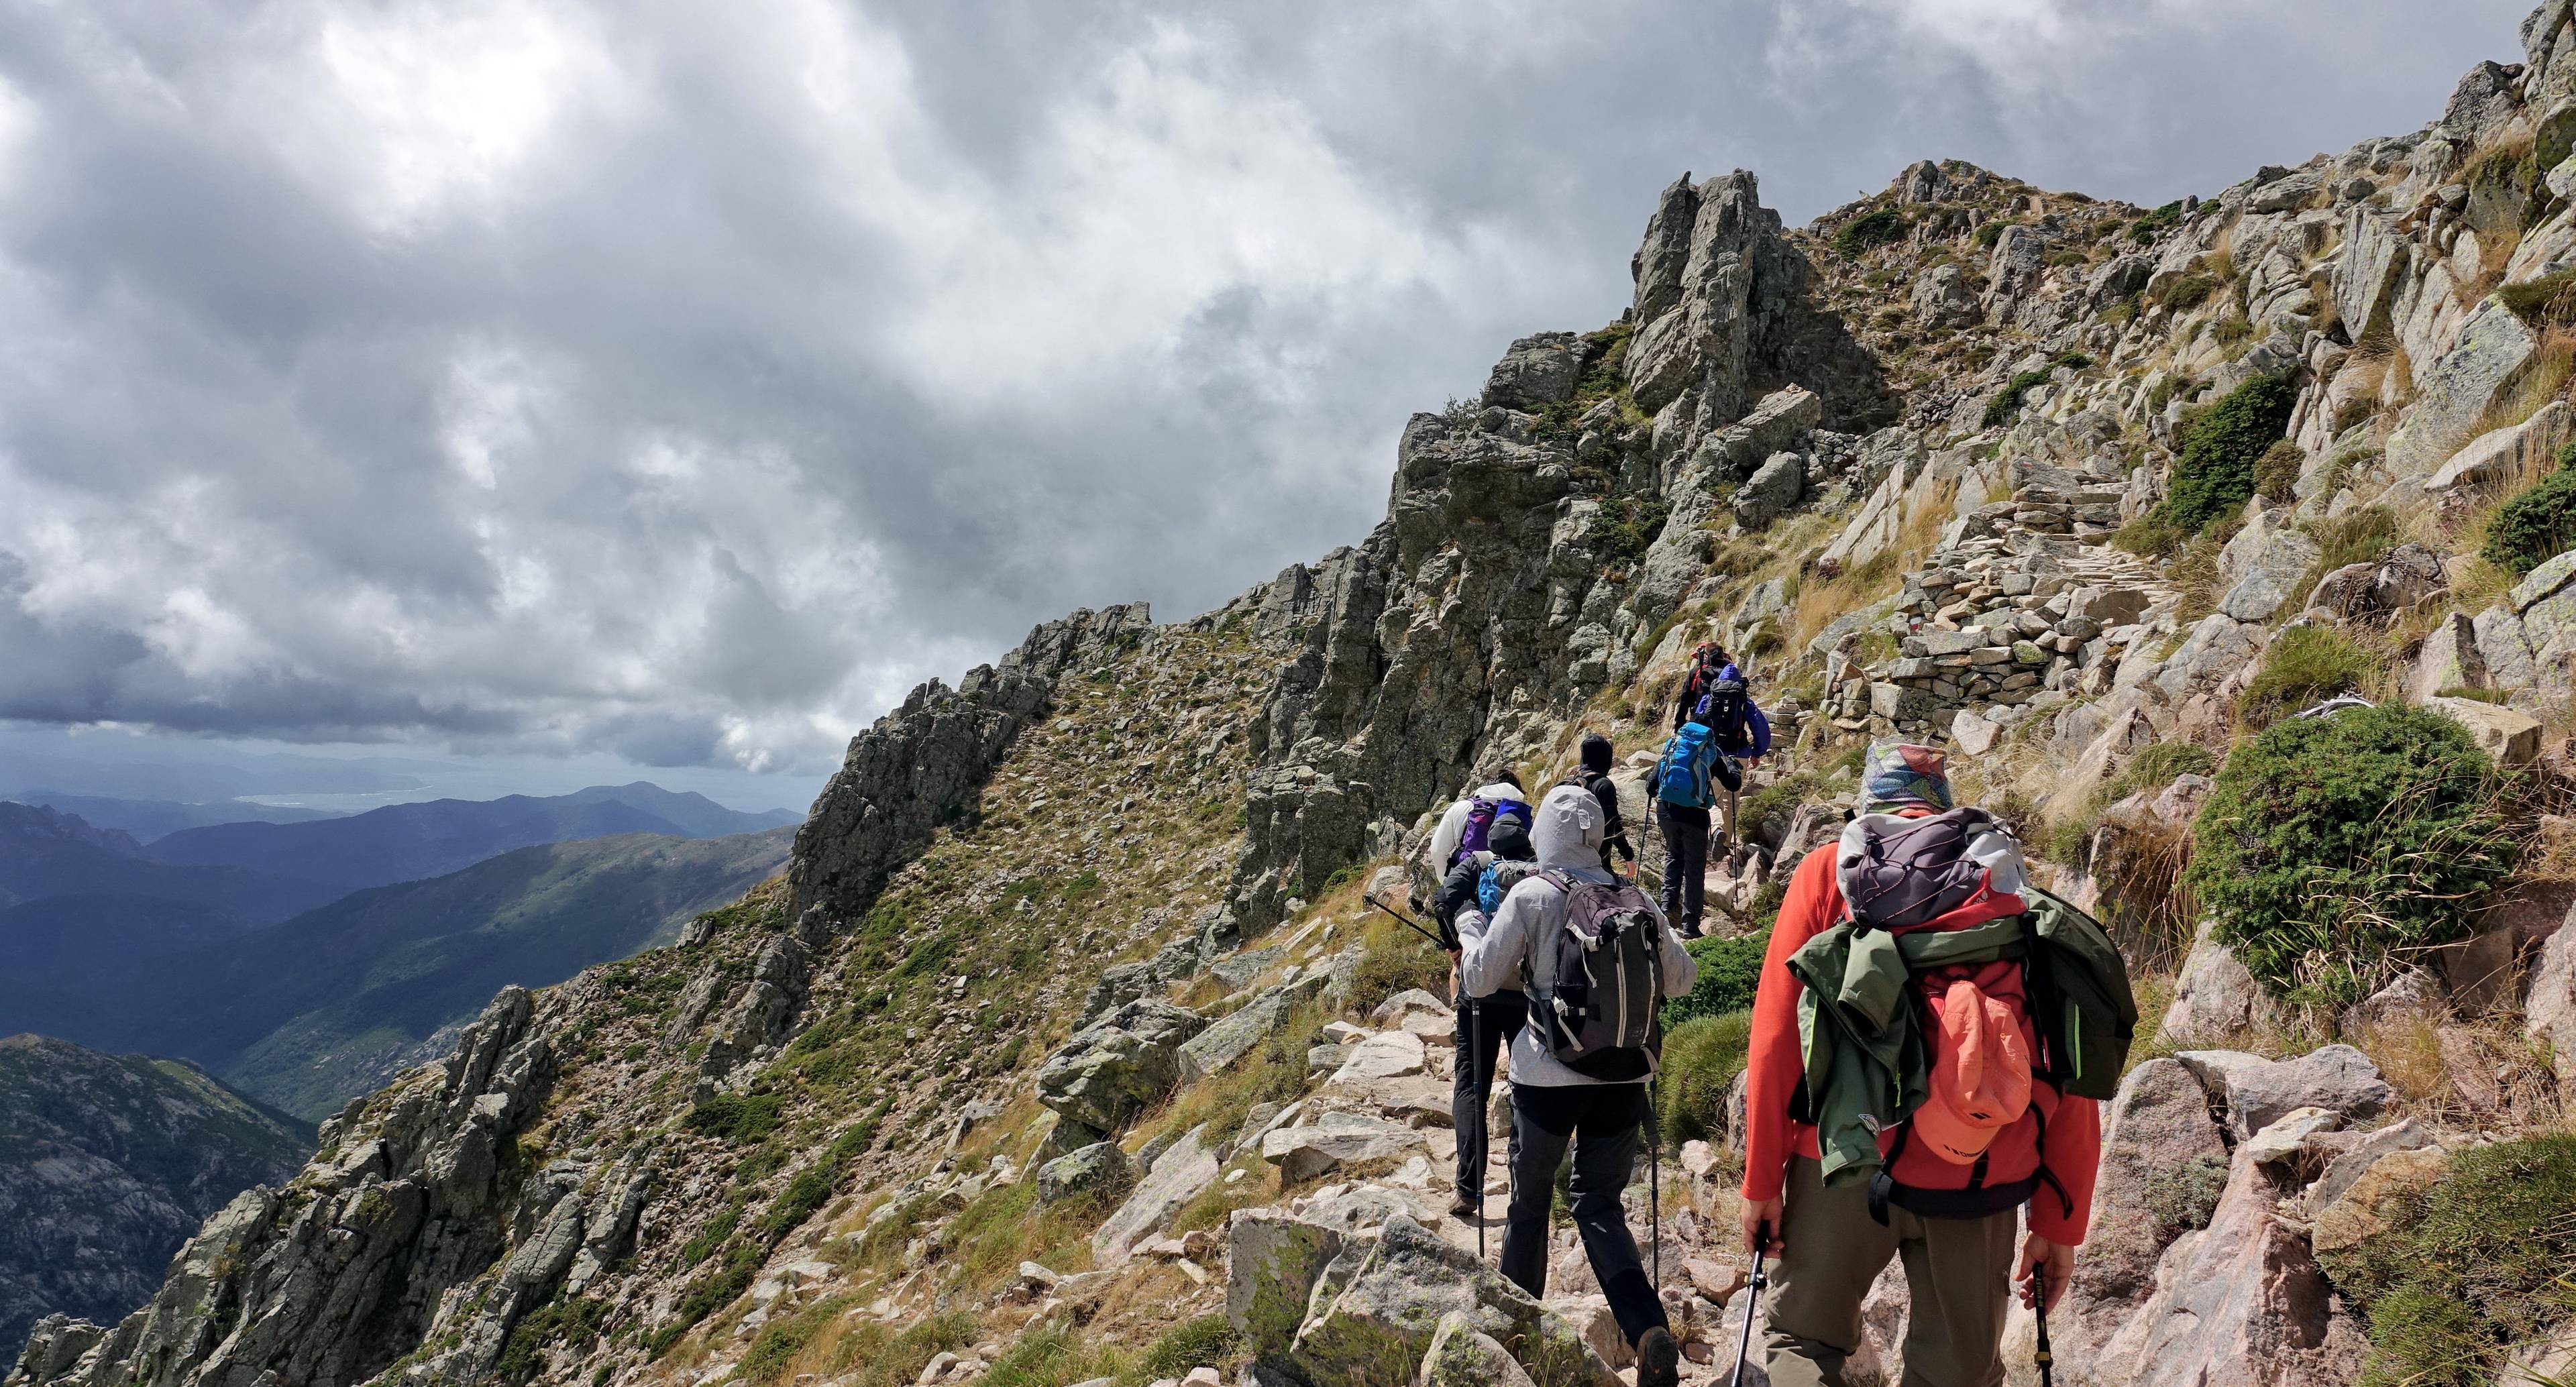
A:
(1485, 1024)
(1685, 832)
(1603, 1123)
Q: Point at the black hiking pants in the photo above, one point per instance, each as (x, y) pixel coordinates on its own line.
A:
(1485, 1025)
(1603, 1123)
(1685, 833)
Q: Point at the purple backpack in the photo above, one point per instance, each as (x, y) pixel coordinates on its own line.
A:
(1481, 814)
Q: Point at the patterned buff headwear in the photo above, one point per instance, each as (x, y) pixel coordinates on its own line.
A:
(1902, 775)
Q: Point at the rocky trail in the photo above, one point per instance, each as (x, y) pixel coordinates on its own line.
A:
(1066, 1049)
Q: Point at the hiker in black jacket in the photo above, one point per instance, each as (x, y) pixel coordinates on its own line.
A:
(1594, 775)
(1484, 1024)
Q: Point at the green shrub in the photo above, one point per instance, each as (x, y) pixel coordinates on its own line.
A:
(2181, 1198)
(2148, 227)
(1869, 230)
(2539, 524)
(2215, 473)
(2189, 291)
(1625, 526)
(2007, 403)
(2304, 667)
(735, 1117)
(2472, 1266)
(2276, 473)
(1766, 812)
(2549, 301)
(1049, 1357)
(1206, 1342)
(1729, 970)
(2333, 848)
(1701, 1058)
(2157, 766)
(2356, 536)
(1990, 233)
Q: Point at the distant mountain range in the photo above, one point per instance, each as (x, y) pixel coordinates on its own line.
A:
(410, 842)
(148, 819)
(107, 1164)
(308, 961)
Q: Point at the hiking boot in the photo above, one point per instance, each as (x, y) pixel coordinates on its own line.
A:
(1462, 1208)
(1690, 929)
(1659, 1359)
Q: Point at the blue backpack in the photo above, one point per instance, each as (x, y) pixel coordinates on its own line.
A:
(1681, 775)
(1497, 881)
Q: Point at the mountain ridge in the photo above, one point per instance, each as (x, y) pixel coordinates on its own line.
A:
(845, 1127)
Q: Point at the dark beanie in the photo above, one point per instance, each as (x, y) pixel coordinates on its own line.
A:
(1508, 839)
(1596, 753)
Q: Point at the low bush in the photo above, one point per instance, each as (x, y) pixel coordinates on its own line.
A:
(1209, 1341)
(2189, 291)
(2537, 525)
(2306, 666)
(2215, 472)
(2153, 224)
(2549, 301)
(2356, 536)
(2276, 473)
(1729, 971)
(1626, 526)
(2334, 849)
(735, 1117)
(2181, 1198)
(1702, 1056)
(2474, 1265)
(1869, 230)
(1990, 233)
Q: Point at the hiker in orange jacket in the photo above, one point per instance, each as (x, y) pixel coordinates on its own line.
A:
(1959, 1259)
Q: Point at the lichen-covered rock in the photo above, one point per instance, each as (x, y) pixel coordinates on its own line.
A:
(1379, 1326)
(2158, 1125)
(1272, 1261)
(1101, 1169)
(1536, 371)
(2337, 1078)
(1463, 1356)
(2216, 997)
(1105, 1075)
(1180, 1174)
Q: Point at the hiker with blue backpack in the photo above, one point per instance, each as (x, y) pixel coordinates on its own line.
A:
(1596, 960)
(1718, 731)
(1469, 896)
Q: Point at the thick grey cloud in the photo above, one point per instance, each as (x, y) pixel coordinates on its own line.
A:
(682, 382)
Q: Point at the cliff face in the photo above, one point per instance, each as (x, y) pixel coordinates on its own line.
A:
(1067, 995)
(110, 1163)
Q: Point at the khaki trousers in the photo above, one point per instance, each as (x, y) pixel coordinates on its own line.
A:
(1958, 1271)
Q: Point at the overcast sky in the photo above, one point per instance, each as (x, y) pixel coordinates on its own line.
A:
(682, 382)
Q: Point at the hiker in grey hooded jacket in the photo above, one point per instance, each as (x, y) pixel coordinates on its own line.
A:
(1552, 1105)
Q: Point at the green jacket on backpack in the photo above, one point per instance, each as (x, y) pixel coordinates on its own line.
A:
(1867, 1065)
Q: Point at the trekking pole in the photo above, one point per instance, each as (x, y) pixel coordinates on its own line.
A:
(2039, 1305)
(1752, 1301)
(1408, 922)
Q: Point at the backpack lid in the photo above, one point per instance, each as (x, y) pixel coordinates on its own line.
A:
(1980, 1075)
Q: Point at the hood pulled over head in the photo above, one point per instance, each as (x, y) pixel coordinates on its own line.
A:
(1568, 829)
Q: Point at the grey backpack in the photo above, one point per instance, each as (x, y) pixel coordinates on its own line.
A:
(1597, 988)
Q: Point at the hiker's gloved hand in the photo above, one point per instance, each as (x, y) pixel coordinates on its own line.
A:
(2054, 1261)
(1753, 1217)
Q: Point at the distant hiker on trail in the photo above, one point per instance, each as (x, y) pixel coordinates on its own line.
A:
(1596, 960)
(1465, 823)
(1718, 732)
(1919, 897)
(1469, 896)
(1594, 775)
